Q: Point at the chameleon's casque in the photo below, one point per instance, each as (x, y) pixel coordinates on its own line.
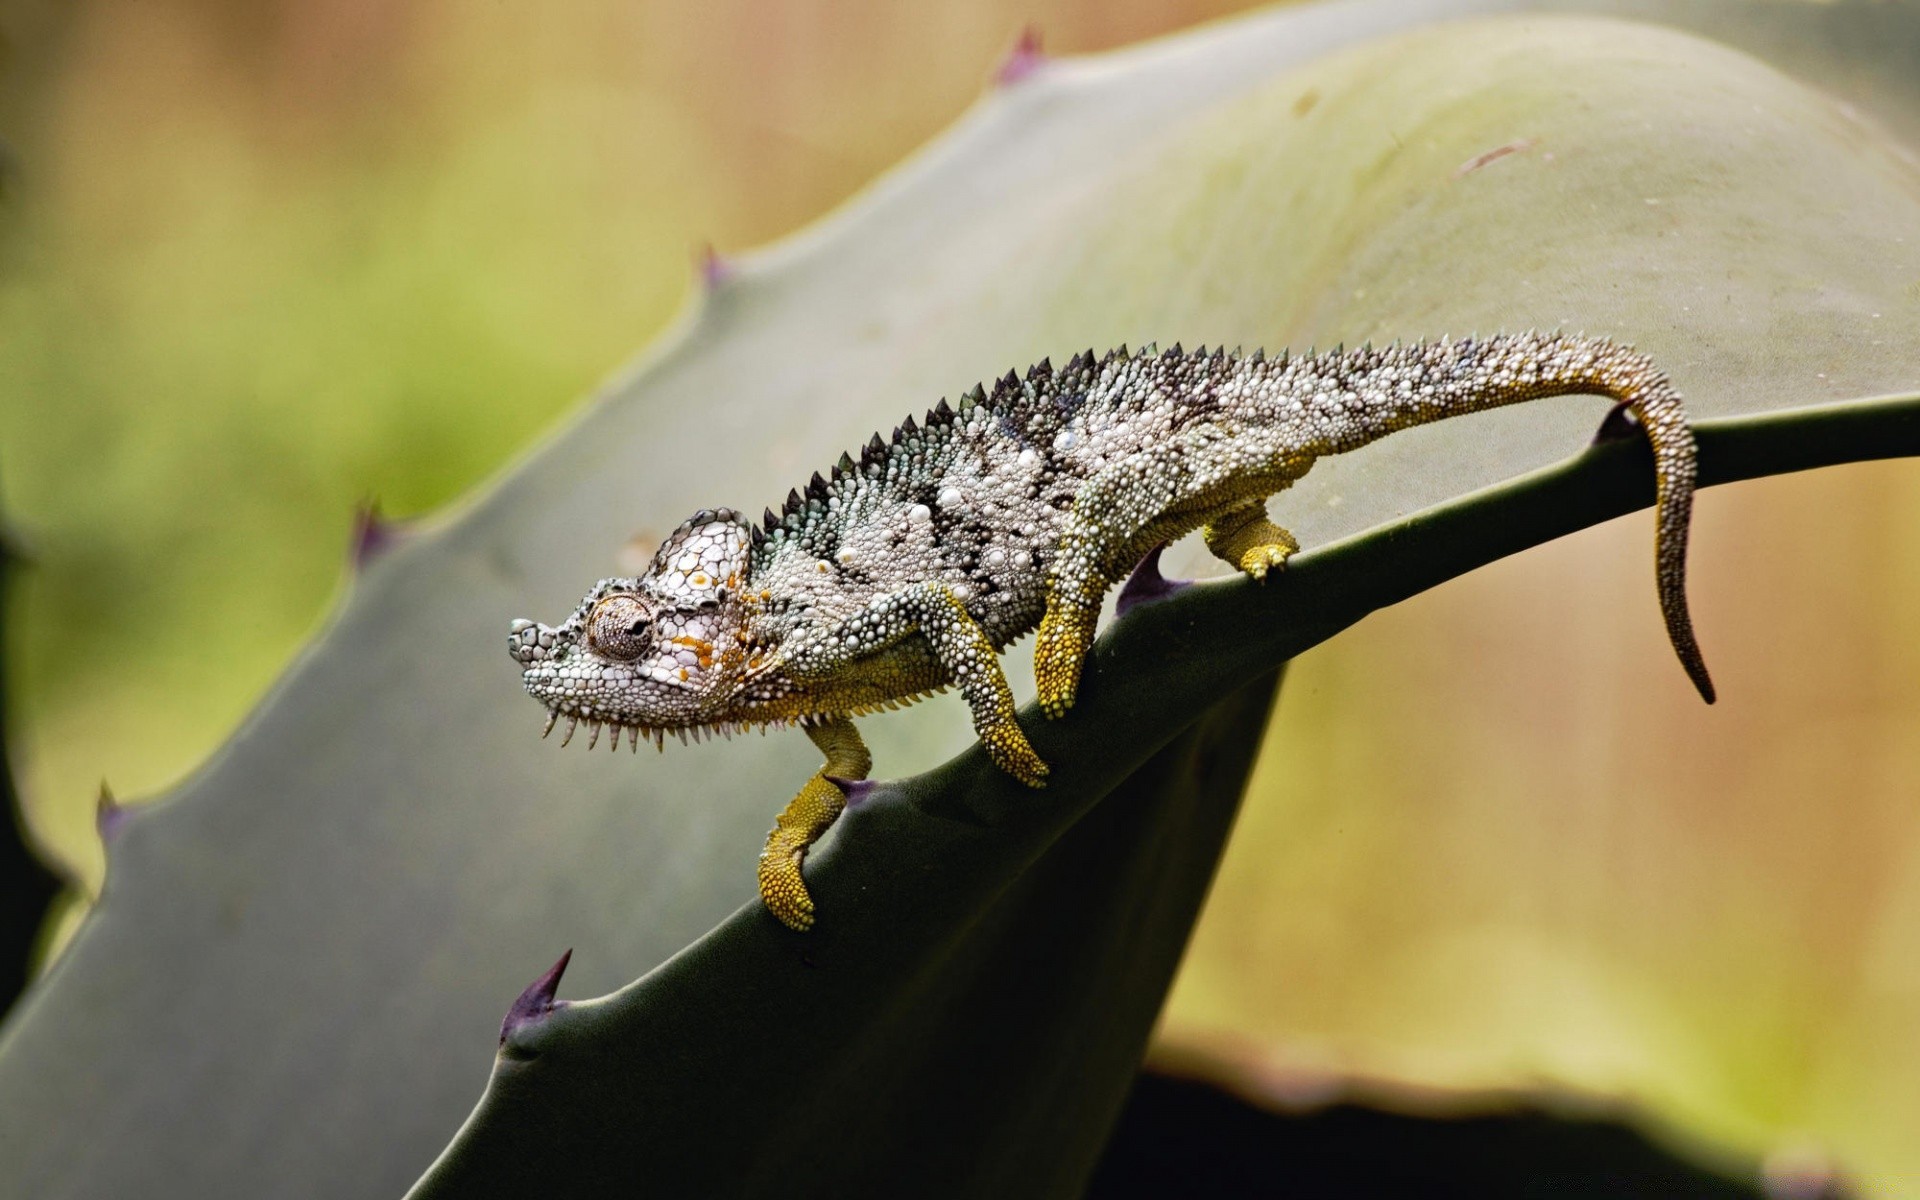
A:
(906, 570)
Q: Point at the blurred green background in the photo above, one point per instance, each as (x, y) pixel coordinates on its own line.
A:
(263, 262)
(266, 261)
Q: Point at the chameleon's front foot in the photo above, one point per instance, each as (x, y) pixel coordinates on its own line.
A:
(1009, 749)
(805, 821)
(1066, 634)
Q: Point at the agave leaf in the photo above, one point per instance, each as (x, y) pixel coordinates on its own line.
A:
(302, 956)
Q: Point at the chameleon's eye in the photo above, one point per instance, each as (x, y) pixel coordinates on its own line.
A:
(618, 627)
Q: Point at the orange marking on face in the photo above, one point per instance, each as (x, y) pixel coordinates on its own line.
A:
(700, 646)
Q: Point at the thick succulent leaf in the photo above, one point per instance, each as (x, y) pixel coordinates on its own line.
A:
(941, 1006)
(302, 957)
(1027, 957)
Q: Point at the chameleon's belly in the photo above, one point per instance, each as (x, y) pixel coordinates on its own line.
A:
(887, 678)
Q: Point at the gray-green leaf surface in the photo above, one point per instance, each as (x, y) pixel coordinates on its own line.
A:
(295, 979)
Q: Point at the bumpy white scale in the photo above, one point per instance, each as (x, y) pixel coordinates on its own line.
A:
(907, 569)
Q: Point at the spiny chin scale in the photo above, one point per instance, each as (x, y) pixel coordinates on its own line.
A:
(686, 733)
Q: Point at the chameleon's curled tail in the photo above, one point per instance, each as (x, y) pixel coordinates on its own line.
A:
(1412, 385)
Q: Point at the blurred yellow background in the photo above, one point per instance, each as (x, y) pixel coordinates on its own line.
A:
(263, 261)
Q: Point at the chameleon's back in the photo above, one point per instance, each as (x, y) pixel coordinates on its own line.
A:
(976, 494)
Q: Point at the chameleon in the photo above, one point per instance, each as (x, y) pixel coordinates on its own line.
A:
(911, 565)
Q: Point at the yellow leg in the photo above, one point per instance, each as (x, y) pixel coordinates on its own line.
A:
(1245, 539)
(1066, 634)
(806, 820)
(963, 650)
(967, 653)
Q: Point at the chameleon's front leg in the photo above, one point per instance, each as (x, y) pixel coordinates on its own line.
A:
(807, 818)
(966, 654)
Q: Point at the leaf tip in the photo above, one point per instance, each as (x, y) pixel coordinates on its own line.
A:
(537, 1001)
(715, 268)
(1147, 585)
(109, 815)
(373, 534)
(1025, 58)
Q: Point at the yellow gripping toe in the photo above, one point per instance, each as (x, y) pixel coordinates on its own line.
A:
(1246, 540)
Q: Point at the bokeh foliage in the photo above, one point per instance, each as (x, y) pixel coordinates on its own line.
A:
(266, 262)
(1712, 1091)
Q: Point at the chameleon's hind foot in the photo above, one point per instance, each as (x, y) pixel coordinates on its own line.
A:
(806, 819)
(1246, 540)
(1066, 634)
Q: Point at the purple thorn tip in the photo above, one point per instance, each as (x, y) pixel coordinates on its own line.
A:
(856, 789)
(714, 268)
(108, 814)
(537, 1001)
(1023, 60)
(1147, 585)
(373, 534)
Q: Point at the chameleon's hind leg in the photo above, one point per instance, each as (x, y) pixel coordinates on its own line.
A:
(807, 818)
(1208, 473)
(1246, 540)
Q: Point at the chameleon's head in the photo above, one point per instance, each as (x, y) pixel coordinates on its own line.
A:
(654, 653)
